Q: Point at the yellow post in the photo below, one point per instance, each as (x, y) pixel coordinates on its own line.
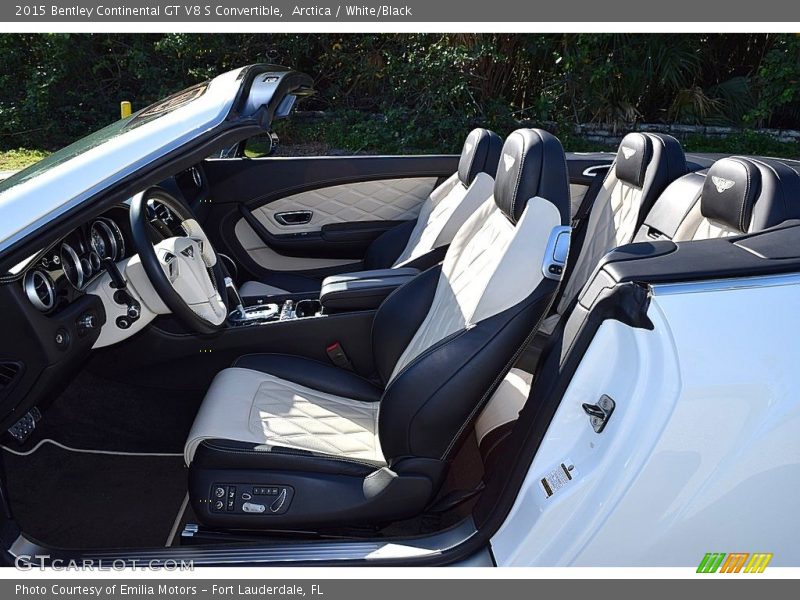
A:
(125, 109)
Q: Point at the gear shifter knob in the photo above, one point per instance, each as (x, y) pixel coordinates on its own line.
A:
(234, 291)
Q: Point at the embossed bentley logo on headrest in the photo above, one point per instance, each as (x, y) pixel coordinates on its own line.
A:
(508, 161)
(722, 184)
(628, 152)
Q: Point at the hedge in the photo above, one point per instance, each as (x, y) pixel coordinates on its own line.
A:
(426, 88)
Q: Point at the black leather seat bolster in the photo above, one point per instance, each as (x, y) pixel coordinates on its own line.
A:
(431, 259)
(671, 208)
(467, 368)
(382, 253)
(409, 305)
(363, 290)
(229, 454)
(313, 374)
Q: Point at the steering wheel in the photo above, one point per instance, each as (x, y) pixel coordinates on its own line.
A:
(183, 269)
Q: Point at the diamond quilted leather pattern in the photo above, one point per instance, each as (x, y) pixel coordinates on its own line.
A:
(293, 416)
(385, 200)
(468, 268)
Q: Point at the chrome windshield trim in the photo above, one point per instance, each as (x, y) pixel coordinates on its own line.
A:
(712, 285)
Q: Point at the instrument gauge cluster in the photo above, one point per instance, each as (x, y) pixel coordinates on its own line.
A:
(66, 269)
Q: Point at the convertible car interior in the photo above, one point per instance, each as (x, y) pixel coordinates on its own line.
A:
(228, 352)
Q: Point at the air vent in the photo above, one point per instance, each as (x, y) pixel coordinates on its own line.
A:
(40, 290)
(9, 371)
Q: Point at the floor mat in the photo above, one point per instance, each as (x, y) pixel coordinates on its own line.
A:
(97, 413)
(69, 499)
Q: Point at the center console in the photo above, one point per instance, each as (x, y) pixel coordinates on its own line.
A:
(347, 292)
(288, 310)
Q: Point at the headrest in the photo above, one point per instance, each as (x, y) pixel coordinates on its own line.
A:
(747, 194)
(480, 154)
(650, 160)
(532, 164)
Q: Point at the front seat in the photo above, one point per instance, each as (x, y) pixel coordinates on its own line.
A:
(288, 442)
(418, 243)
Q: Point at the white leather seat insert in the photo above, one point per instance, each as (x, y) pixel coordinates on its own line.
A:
(251, 406)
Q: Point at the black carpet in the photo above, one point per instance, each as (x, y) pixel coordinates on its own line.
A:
(73, 500)
(99, 414)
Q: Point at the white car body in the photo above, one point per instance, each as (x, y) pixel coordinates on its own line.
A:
(703, 442)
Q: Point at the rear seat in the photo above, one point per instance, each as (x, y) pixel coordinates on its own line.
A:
(734, 196)
(645, 165)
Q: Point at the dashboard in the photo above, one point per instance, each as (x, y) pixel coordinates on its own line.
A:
(60, 306)
(66, 269)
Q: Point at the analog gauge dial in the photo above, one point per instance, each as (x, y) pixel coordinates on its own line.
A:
(106, 239)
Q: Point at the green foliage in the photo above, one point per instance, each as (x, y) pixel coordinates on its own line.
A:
(746, 142)
(19, 158)
(411, 92)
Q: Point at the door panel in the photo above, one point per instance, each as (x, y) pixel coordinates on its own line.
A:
(314, 215)
(267, 258)
(383, 200)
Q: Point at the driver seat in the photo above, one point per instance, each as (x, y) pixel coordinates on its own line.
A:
(288, 442)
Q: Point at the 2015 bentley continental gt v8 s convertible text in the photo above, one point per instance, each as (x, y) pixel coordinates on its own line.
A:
(515, 356)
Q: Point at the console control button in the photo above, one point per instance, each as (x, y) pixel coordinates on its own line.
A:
(61, 339)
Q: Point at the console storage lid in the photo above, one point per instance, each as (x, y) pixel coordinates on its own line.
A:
(362, 290)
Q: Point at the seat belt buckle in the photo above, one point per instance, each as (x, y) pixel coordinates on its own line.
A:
(338, 356)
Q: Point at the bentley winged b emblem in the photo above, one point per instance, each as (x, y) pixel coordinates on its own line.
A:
(628, 152)
(722, 184)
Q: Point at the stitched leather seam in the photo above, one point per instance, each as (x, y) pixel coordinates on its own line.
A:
(746, 194)
(472, 160)
(500, 376)
(519, 176)
(429, 350)
(251, 452)
(643, 165)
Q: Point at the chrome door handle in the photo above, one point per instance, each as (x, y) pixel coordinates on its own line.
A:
(294, 217)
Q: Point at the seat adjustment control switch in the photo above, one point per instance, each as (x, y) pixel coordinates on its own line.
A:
(250, 499)
(252, 507)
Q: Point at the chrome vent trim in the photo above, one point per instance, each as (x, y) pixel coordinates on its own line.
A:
(40, 289)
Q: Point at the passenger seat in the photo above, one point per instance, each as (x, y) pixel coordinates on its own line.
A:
(421, 244)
